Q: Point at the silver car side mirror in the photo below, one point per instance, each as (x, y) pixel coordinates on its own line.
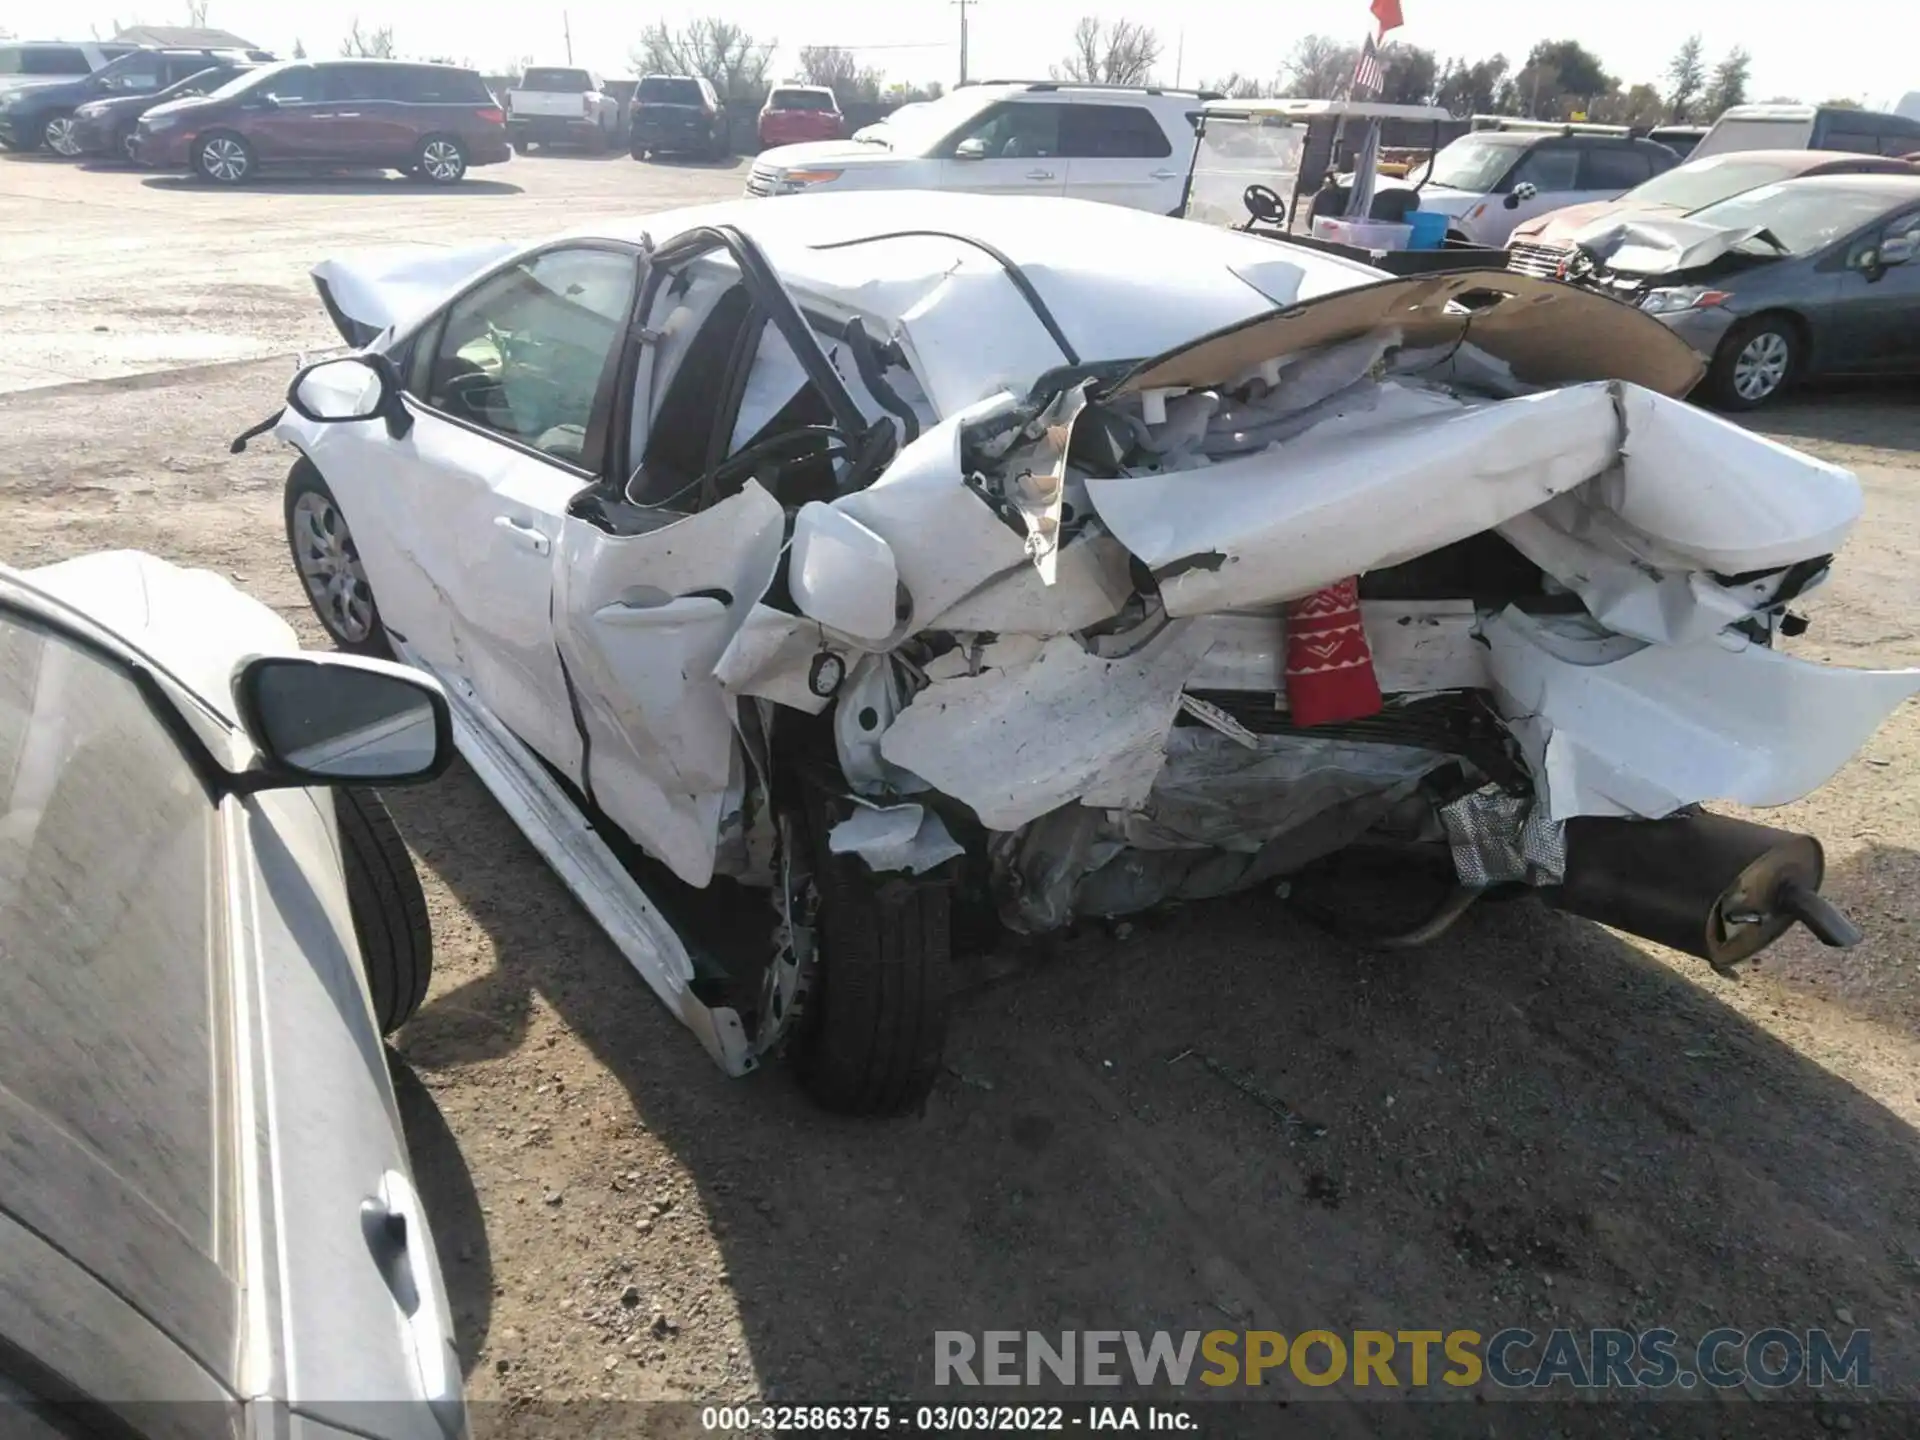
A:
(1897, 250)
(342, 720)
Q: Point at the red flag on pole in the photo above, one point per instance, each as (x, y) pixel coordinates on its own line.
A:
(1387, 12)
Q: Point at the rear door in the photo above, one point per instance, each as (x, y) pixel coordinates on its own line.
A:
(359, 114)
(1010, 149)
(1119, 154)
(286, 127)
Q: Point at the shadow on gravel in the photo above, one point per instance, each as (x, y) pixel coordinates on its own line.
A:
(357, 183)
(1224, 1119)
(453, 1210)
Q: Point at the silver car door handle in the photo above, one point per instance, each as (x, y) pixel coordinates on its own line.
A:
(1039, 174)
(1164, 175)
(525, 535)
(394, 1226)
(346, 114)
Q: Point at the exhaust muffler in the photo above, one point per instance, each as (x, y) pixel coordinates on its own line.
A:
(1709, 885)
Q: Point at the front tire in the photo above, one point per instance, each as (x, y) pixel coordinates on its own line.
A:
(123, 146)
(388, 905)
(58, 134)
(1756, 360)
(442, 160)
(870, 1039)
(328, 564)
(223, 158)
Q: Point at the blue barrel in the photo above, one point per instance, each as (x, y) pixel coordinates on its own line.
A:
(1429, 229)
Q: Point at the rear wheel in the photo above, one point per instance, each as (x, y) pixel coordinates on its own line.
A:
(442, 160)
(60, 135)
(389, 908)
(328, 564)
(719, 147)
(522, 147)
(1756, 360)
(869, 1036)
(223, 158)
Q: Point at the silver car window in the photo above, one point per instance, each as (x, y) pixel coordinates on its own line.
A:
(114, 1119)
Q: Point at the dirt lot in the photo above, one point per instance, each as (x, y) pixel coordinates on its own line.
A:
(1534, 1123)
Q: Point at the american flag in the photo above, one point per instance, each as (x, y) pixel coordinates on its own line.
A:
(1368, 78)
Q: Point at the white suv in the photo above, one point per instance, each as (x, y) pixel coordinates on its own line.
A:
(1125, 144)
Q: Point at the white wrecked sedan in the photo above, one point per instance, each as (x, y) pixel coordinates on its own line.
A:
(891, 554)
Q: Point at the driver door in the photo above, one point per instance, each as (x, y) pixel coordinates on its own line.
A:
(1553, 171)
(510, 389)
(1013, 149)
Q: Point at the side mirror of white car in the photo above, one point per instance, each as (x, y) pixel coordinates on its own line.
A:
(974, 149)
(356, 387)
(843, 575)
(1520, 193)
(341, 720)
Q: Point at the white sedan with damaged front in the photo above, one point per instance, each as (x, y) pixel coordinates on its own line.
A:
(888, 556)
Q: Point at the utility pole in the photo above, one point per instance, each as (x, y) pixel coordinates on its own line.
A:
(963, 4)
(1180, 59)
(566, 28)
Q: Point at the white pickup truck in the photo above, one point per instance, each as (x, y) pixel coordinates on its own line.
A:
(558, 105)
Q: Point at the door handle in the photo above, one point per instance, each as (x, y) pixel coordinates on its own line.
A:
(392, 1222)
(524, 535)
(346, 114)
(1165, 175)
(1039, 174)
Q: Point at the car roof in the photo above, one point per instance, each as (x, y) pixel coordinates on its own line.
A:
(1894, 187)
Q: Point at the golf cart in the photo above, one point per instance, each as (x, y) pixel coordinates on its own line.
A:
(1275, 168)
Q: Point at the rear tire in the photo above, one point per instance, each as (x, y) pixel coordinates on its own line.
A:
(1757, 360)
(388, 905)
(221, 157)
(441, 160)
(870, 1039)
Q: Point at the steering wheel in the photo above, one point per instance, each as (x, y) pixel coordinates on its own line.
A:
(1263, 204)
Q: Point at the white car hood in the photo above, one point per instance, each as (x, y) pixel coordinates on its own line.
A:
(194, 622)
(839, 154)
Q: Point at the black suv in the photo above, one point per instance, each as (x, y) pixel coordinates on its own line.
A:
(44, 117)
(679, 115)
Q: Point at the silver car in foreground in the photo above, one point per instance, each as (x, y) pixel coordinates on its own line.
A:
(208, 1225)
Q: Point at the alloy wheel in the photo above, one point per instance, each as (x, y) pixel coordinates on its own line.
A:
(224, 159)
(330, 568)
(1761, 368)
(442, 160)
(63, 137)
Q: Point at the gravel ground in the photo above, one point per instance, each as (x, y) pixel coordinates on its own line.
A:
(1536, 1122)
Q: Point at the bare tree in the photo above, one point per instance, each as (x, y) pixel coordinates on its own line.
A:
(299, 50)
(1121, 54)
(1319, 67)
(1729, 87)
(1240, 87)
(730, 59)
(1686, 73)
(835, 68)
(368, 44)
(197, 14)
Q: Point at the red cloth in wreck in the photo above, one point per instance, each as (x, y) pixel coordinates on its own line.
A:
(1329, 664)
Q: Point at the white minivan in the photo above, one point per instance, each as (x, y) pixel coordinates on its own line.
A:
(1123, 144)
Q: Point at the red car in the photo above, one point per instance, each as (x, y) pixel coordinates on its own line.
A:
(796, 113)
(429, 121)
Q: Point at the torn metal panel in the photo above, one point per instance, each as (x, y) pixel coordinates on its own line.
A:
(1092, 583)
(947, 541)
(1289, 521)
(391, 285)
(1721, 496)
(1648, 732)
(1015, 743)
(1522, 321)
(1035, 479)
(1649, 246)
(776, 656)
(642, 622)
(894, 838)
(871, 697)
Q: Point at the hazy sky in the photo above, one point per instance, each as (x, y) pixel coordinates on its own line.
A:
(1842, 47)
